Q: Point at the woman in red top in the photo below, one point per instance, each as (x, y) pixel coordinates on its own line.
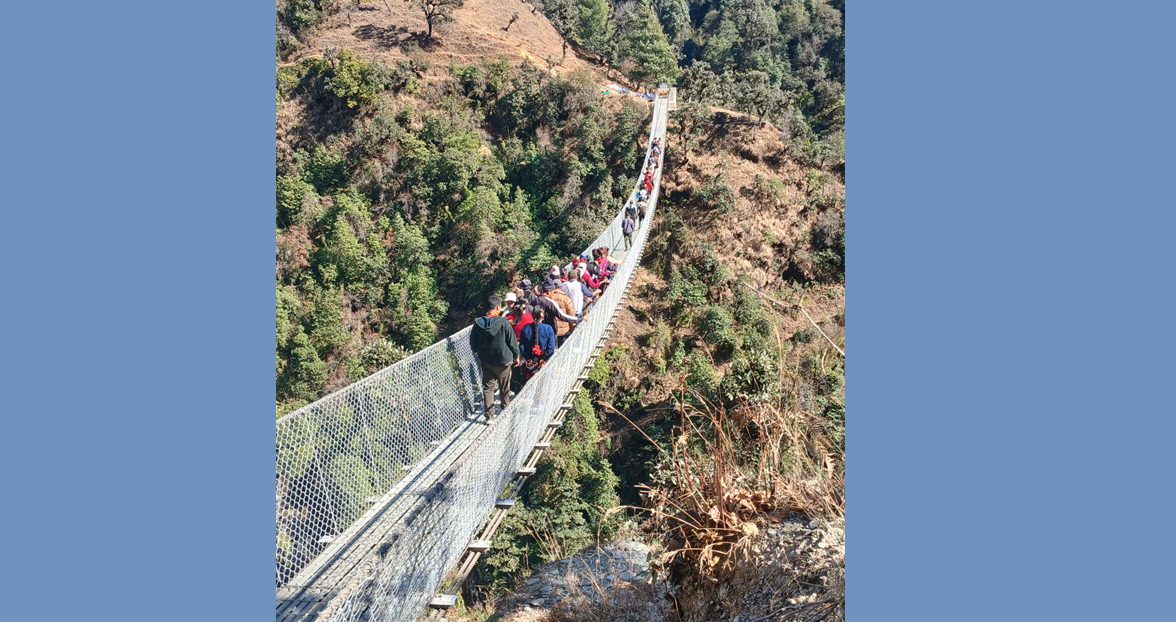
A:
(518, 316)
(592, 282)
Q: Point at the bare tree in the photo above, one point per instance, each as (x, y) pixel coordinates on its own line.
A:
(436, 11)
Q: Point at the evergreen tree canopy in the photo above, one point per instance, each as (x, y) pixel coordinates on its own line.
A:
(645, 43)
(593, 28)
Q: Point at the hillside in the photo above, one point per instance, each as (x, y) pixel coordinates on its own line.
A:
(418, 175)
(410, 187)
(392, 30)
(696, 340)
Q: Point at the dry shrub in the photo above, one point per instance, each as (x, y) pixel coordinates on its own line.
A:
(293, 250)
(731, 470)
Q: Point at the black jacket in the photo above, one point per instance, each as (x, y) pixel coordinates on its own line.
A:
(493, 340)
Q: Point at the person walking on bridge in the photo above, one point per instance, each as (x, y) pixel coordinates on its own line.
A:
(588, 294)
(528, 296)
(557, 310)
(538, 344)
(575, 293)
(627, 226)
(520, 315)
(563, 329)
(493, 341)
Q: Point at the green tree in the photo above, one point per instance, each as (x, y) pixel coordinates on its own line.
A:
(646, 45)
(355, 80)
(675, 19)
(691, 119)
(288, 307)
(292, 191)
(436, 11)
(758, 96)
(412, 298)
(325, 169)
(756, 23)
(593, 29)
(301, 15)
(326, 317)
(306, 373)
(723, 45)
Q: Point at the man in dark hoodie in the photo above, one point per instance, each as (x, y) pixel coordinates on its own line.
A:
(493, 341)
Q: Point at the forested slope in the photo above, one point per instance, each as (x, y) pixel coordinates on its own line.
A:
(408, 193)
(779, 60)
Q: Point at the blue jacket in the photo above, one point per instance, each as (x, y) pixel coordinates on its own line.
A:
(545, 339)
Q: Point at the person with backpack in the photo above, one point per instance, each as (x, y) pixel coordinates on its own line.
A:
(641, 205)
(538, 344)
(630, 209)
(627, 226)
(493, 341)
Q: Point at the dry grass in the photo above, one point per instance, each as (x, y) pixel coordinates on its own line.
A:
(388, 30)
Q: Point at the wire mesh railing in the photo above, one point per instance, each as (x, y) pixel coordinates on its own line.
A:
(337, 455)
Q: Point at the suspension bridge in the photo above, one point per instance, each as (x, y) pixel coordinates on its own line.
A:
(389, 491)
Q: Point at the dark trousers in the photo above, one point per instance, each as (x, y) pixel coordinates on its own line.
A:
(628, 241)
(495, 377)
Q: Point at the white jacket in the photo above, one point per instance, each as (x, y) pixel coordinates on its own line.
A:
(572, 289)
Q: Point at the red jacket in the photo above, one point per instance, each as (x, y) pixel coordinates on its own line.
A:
(523, 321)
(591, 281)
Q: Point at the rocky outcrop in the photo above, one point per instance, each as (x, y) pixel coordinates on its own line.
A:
(593, 583)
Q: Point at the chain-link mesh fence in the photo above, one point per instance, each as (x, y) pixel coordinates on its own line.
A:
(339, 454)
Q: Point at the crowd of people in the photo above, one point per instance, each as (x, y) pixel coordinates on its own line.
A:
(522, 331)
